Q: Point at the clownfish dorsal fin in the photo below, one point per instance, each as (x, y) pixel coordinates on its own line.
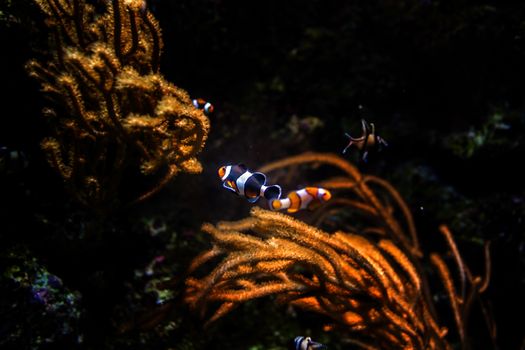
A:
(242, 166)
(226, 186)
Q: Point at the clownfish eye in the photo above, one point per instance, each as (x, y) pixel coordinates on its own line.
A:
(327, 195)
(222, 171)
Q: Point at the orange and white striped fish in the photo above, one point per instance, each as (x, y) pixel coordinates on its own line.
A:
(305, 198)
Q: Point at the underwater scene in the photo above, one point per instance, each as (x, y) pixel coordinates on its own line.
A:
(262, 175)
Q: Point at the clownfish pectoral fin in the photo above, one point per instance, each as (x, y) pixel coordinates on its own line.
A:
(253, 200)
(349, 143)
(365, 156)
(317, 346)
(382, 141)
(313, 205)
(228, 187)
(272, 192)
(347, 146)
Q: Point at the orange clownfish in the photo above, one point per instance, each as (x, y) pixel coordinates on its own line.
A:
(306, 198)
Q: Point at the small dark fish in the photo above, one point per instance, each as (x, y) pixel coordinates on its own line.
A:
(305, 198)
(368, 140)
(238, 179)
(306, 343)
(12, 161)
(200, 103)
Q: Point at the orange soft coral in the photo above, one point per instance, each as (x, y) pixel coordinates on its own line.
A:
(111, 108)
(369, 282)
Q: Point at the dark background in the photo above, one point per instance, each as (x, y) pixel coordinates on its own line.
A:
(443, 81)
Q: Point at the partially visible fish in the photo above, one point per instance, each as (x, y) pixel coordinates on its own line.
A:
(306, 343)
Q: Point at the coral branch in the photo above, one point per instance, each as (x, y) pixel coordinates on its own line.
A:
(353, 281)
(449, 286)
(358, 184)
(105, 82)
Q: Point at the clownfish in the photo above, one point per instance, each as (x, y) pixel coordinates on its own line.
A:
(200, 103)
(306, 343)
(367, 141)
(238, 179)
(306, 198)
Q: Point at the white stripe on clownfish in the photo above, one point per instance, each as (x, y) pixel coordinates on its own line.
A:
(241, 181)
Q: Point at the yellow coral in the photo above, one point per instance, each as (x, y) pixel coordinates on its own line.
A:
(116, 112)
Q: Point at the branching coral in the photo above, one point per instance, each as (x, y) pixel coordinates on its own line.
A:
(370, 283)
(112, 109)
